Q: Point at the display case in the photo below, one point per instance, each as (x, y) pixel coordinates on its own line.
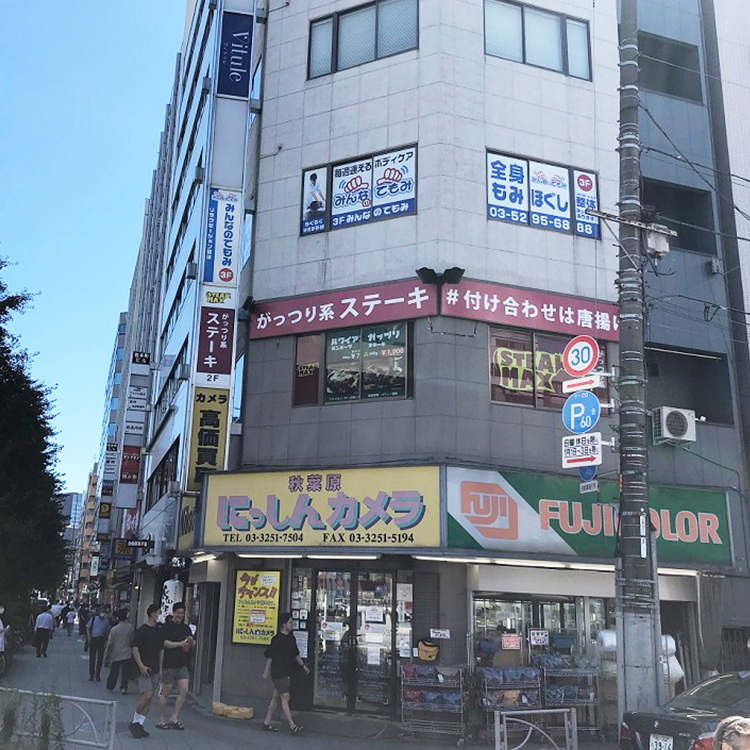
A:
(509, 689)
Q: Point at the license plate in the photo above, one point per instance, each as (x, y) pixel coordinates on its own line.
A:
(660, 742)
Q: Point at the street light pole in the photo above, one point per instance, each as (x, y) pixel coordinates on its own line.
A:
(638, 648)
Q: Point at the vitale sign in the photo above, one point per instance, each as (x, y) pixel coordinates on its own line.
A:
(235, 55)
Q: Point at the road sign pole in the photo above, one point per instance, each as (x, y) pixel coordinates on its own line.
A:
(638, 653)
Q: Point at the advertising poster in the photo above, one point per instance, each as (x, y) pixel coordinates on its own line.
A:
(351, 193)
(394, 190)
(390, 507)
(234, 54)
(314, 201)
(384, 362)
(343, 356)
(584, 197)
(216, 338)
(507, 189)
(208, 436)
(549, 196)
(223, 234)
(256, 606)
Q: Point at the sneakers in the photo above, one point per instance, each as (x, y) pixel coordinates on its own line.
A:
(137, 730)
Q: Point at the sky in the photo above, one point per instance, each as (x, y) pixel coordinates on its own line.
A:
(83, 91)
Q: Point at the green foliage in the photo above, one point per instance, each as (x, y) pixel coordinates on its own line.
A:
(32, 724)
(32, 550)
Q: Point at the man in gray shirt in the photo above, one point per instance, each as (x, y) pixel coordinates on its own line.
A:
(43, 627)
(117, 654)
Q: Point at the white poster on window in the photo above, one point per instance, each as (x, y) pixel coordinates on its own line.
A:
(585, 197)
(549, 196)
(314, 201)
(394, 177)
(507, 189)
(351, 193)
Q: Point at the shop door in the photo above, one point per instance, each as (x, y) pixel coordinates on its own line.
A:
(354, 667)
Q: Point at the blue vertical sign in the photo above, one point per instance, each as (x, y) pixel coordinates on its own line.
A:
(585, 196)
(394, 183)
(235, 55)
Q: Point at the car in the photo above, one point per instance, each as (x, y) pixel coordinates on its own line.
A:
(688, 721)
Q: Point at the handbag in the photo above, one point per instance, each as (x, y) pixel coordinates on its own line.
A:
(428, 650)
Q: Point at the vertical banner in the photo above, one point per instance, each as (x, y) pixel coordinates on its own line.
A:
(549, 196)
(585, 197)
(110, 460)
(507, 189)
(225, 217)
(256, 606)
(208, 435)
(314, 201)
(394, 178)
(351, 193)
(235, 56)
(216, 338)
(130, 464)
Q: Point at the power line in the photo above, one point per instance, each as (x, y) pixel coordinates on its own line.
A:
(701, 73)
(697, 164)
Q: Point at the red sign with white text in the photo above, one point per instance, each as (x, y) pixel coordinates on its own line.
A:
(529, 308)
(400, 300)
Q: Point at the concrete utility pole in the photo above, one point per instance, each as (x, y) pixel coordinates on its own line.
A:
(638, 647)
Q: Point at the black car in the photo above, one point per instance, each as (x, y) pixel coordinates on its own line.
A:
(688, 722)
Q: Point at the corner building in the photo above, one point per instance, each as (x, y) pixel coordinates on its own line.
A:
(397, 472)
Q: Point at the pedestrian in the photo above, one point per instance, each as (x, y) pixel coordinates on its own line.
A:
(70, 620)
(281, 656)
(63, 623)
(3, 630)
(178, 643)
(43, 627)
(83, 618)
(733, 733)
(148, 652)
(97, 630)
(117, 654)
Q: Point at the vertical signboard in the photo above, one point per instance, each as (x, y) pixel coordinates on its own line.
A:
(208, 435)
(221, 262)
(351, 193)
(314, 201)
(394, 183)
(256, 606)
(549, 196)
(235, 58)
(507, 189)
(585, 197)
(130, 464)
(216, 338)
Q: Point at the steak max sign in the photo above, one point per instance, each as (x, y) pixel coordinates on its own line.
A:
(533, 513)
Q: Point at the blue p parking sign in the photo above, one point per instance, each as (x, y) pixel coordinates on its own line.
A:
(581, 412)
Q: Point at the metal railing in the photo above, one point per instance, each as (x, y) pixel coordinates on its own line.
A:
(84, 722)
(521, 720)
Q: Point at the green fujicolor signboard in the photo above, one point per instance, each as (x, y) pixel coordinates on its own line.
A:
(526, 513)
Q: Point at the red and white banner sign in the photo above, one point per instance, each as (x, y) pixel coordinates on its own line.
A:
(400, 300)
(529, 308)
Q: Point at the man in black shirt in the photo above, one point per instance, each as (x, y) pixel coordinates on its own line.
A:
(281, 656)
(148, 653)
(178, 643)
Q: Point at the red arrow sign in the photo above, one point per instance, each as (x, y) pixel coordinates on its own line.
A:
(586, 460)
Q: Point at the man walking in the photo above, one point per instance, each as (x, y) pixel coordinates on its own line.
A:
(70, 620)
(178, 642)
(117, 654)
(148, 652)
(97, 630)
(281, 656)
(43, 627)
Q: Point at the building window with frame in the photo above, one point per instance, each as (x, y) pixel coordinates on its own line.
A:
(362, 34)
(526, 368)
(669, 67)
(165, 472)
(356, 364)
(537, 37)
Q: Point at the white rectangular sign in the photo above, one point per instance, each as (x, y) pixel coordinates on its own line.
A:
(351, 193)
(549, 196)
(582, 450)
(585, 196)
(135, 428)
(507, 189)
(589, 383)
(592, 486)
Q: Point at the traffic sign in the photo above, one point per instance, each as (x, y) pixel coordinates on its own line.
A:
(582, 450)
(581, 412)
(589, 383)
(587, 473)
(585, 487)
(580, 356)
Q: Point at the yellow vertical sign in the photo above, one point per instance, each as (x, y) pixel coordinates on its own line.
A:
(208, 436)
(256, 606)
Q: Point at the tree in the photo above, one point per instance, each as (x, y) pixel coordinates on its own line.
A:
(32, 548)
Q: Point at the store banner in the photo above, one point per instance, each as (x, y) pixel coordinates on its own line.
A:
(209, 434)
(225, 217)
(529, 308)
(384, 303)
(216, 337)
(392, 507)
(130, 464)
(256, 606)
(314, 217)
(235, 56)
(526, 513)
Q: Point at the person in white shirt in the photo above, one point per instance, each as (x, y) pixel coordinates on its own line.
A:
(3, 628)
(43, 627)
(70, 620)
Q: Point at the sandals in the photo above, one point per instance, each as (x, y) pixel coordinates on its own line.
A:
(269, 727)
(176, 725)
(298, 729)
(163, 725)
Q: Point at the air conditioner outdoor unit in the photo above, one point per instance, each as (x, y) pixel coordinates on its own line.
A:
(673, 426)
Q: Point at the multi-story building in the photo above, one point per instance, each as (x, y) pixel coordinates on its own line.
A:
(71, 506)
(394, 435)
(86, 585)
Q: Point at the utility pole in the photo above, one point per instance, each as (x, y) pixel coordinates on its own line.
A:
(638, 645)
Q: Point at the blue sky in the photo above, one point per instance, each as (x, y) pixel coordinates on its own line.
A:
(83, 86)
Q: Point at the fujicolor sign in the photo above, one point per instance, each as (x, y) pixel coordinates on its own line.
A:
(533, 513)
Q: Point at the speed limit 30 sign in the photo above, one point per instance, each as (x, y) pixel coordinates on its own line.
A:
(580, 356)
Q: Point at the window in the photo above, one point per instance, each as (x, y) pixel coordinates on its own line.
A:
(239, 371)
(165, 472)
(247, 239)
(537, 37)
(669, 67)
(359, 364)
(361, 35)
(679, 378)
(679, 207)
(526, 368)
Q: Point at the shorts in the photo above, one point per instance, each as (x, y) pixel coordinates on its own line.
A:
(170, 675)
(149, 684)
(282, 685)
